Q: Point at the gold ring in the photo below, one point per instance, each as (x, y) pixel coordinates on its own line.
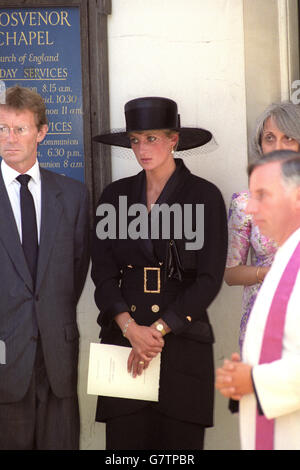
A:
(142, 363)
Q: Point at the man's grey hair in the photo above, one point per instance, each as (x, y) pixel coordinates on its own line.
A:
(287, 118)
(290, 165)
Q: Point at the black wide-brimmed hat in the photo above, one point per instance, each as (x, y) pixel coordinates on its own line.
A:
(154, 113)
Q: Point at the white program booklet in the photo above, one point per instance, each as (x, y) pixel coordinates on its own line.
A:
(108, 375)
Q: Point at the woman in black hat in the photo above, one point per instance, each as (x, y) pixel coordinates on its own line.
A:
(155, 280)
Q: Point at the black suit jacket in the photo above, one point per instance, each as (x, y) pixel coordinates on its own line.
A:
(49, 308)
(187, 372)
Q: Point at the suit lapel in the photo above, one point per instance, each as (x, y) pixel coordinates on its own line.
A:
(10, 238)
(50, 216)
(138, 195)
(170, 195)
(155, 250)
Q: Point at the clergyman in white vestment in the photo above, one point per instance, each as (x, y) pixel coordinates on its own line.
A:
(274, 387)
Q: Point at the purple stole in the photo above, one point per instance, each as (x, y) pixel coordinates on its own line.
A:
(271, 349)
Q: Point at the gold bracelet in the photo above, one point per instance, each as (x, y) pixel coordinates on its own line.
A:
(258, 280)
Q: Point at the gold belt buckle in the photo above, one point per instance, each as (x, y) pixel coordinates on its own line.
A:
(146, 280)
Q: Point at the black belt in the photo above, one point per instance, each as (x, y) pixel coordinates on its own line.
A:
(152, 279)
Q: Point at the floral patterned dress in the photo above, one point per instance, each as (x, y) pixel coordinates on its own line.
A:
(245, 235)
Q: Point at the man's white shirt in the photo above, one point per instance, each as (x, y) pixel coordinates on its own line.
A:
(13, 189)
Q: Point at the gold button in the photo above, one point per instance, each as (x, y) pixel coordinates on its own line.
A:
(189, 318)
(155, 308)
(133, 308)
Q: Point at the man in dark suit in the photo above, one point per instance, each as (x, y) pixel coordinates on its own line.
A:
(38, 382)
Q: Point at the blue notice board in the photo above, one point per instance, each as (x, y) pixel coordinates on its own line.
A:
(40, 48)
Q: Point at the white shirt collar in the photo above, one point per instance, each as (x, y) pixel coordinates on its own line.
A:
(9, 174)
(285, 250)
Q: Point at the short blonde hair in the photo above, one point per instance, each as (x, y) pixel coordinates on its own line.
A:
(20, 98)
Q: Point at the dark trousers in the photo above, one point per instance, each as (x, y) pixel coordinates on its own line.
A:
(149, 430)
(40, 420)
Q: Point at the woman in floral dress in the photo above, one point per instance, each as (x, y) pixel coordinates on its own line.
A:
(278, 128)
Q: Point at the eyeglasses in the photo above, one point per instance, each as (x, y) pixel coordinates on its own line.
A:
(18, 131)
